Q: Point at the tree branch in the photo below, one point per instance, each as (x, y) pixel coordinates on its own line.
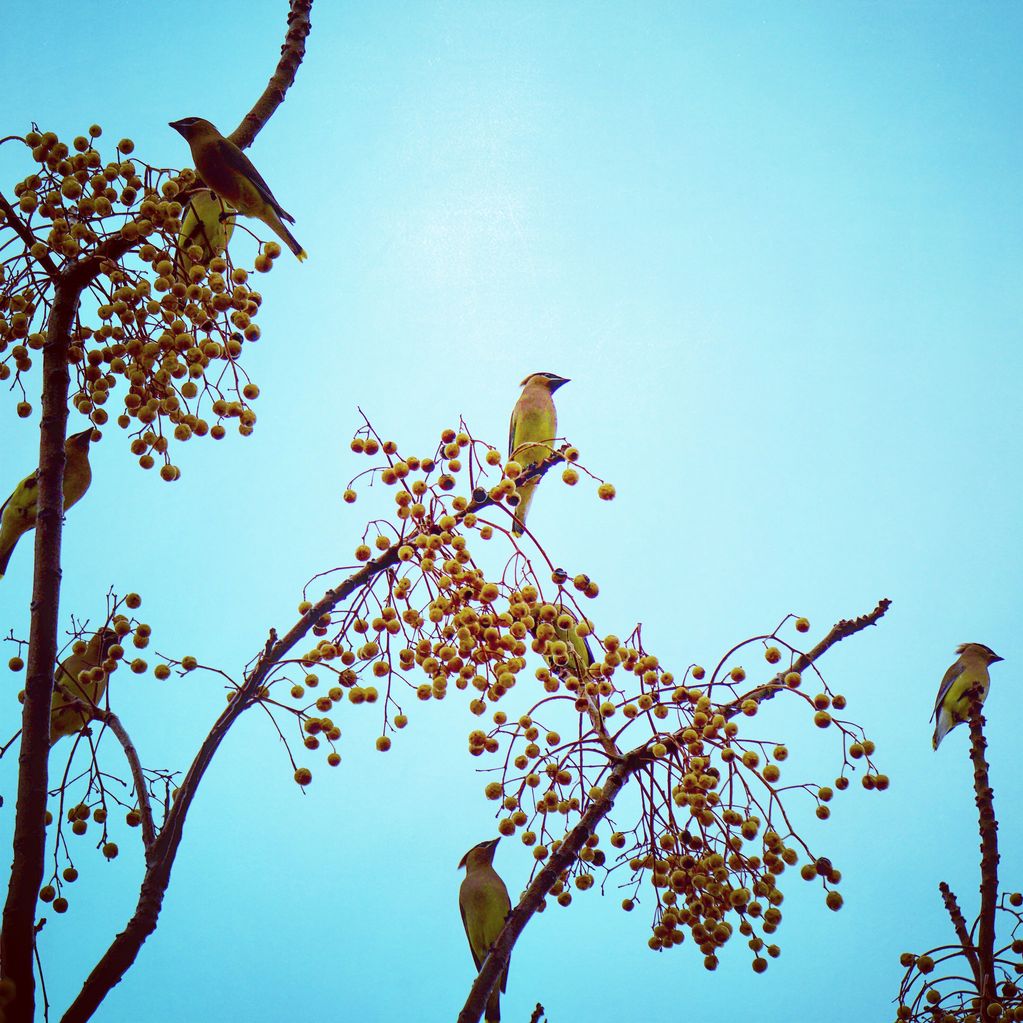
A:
(841, 630)
(562, 859)
(113, 722)
(962, 933)
(623, 770)
(988, 856)
(124, 949)
(21, 229)
(16, 938)
(292, 52)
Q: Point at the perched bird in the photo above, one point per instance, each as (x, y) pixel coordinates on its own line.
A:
(534, 425)
(229, 172)
(971, 671)
(18, 512)
(577, 656)
(79, 686)
(209, 225)
(483, 900)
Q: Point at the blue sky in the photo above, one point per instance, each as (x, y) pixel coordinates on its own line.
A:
(776, 248)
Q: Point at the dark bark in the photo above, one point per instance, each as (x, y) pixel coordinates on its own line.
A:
(17, 939)
(988, 858)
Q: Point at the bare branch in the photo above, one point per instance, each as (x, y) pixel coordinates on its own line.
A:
(113, 722)
(292, 52)
(988, 857)
(841, 630)
(962, 933)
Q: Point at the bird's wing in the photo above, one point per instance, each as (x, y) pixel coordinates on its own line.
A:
(946, 684)
(511, 430)
(504, 975)
(238, 161)
(475, 958)
(30, 482)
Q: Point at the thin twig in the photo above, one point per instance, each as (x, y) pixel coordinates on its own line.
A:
(113, 722)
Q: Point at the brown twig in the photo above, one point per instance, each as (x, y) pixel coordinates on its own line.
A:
(962, 932)
(20, 228)
(841, 630)
(565, 854)
(113, 722)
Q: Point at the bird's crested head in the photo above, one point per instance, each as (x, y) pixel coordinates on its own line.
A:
(549, 381)
(81, 441)
(193, 127)
(100, 644)
(979, 651)
(479, 855)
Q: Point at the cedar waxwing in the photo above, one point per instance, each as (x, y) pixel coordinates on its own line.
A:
(229, 172)
(534, 426)
(18, 512)
(75, 697)
(208, 224)
(484, 903)
(578, 655)
(952, 705)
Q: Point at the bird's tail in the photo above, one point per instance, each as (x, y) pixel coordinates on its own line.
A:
(942, 727)
(520, 510)
(493, 1013)
(289, 239)
(6, 550)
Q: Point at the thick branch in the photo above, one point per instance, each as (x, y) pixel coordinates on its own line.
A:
(17, 936)
(125, 947)
(113, 722)
(988, 856)
(962, 932)
(292, 52)
(566, 853)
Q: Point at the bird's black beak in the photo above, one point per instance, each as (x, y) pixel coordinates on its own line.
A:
(996, 658)
(559, 382)
(178, 126)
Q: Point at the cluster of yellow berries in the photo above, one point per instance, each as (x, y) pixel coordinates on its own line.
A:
(702, 890)
(707, 878)
(457, 634)
(172, 323)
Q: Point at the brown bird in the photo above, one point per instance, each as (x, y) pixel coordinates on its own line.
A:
(968, 674)
(18, 512)
(79, 686)
(484, 903)
(531, 434)
(230, 173)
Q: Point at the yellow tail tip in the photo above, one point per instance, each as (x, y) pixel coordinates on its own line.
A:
(301, 255)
